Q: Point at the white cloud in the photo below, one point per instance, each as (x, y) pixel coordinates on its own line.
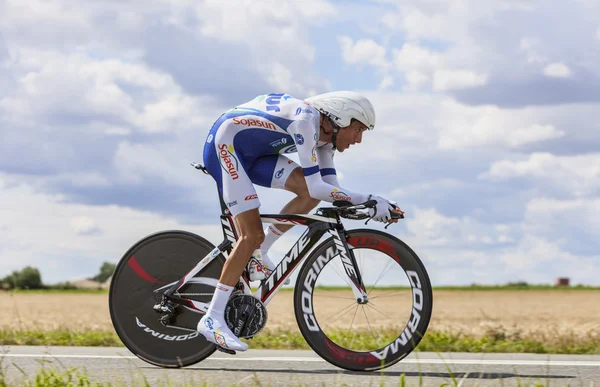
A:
(77, 84)
(386, 82)
(71, 240)
(422, 65)
(557, 70)
(535, 250)
(565, 221)
(413, 57)
(467, 126)
(499, 57)
(457, 79)
(429, 228)
(579, 175)
(363, 51)
(280, 24)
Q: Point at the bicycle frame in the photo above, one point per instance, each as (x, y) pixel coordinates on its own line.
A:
(317, 225)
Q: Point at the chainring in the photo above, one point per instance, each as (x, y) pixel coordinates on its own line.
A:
(245, 315)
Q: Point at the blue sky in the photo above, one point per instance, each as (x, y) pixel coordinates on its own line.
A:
(487, 134)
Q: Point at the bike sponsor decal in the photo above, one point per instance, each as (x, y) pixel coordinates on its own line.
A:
(227, 230)
(411, 327)
(350, 356)
(139, 270)
(286, 262)
(210, 256)
(228, 160)
(292, 221)
(346, 260)
(279, 173)
(339, 195)
(164, 336)
(251, 197)
(376, 244)
(299, 139)
(255, 123)
(309, 281)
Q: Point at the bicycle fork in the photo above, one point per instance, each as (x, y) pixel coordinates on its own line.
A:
(350, 266)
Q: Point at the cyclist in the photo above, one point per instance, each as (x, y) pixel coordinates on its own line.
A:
(247, 145)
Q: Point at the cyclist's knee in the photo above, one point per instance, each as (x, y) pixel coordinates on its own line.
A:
(312, 202)
(253, 237)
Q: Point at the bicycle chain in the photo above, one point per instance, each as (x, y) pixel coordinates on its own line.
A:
(195, 294)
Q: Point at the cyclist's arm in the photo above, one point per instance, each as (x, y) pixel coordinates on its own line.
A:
(303, 133)
(325, 155)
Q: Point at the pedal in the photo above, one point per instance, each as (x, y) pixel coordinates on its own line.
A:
(227, 351)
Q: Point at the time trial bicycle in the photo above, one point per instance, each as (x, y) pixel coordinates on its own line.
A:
(164, 283)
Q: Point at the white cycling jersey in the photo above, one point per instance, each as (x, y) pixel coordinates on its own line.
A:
(247, 145)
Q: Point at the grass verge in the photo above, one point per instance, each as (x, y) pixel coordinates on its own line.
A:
(496, 341)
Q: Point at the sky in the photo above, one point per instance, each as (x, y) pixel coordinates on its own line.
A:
(487, 133)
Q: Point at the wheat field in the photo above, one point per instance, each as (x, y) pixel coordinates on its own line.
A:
(475, 313)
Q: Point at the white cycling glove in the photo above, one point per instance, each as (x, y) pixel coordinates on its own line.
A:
(381, 213)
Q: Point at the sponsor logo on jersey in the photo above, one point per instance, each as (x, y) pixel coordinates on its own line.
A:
(210, 138)
(279, 173)
(253, 196)
(303, 110)
(339, 195)
(228, 160)
(289, 149)
(278, 143)
(299, 139)
(314, 154)
(252, 122)
(231, 204)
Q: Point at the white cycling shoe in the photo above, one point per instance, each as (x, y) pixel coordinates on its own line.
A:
(219, 333)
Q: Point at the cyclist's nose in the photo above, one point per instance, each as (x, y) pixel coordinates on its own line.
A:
(358, 138)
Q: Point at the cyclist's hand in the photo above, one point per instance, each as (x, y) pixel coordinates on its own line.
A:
(395, 210)
(381, 212)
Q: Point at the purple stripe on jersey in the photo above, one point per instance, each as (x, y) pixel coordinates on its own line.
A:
(311, 170)
(327, 171)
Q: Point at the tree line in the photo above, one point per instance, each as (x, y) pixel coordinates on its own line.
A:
(30, 278)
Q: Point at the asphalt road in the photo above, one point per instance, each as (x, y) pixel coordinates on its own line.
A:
(305, 368)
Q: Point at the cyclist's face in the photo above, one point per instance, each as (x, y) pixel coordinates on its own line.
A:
(350, 135)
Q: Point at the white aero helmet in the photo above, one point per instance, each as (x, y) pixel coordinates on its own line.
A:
(342, 106)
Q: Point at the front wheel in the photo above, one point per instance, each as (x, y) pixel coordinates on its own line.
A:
(364, 336)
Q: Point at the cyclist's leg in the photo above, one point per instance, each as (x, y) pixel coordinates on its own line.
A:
(227, 167)
(278, 171)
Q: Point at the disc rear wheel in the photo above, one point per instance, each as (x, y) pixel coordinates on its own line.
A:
(165, 338)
